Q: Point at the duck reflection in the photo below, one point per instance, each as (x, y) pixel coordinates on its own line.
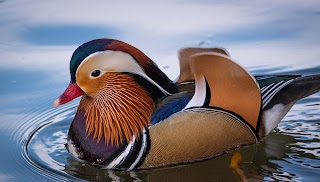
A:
(84, 171)
(270, 159)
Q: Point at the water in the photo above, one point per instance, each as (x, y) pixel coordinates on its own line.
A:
(38, 38)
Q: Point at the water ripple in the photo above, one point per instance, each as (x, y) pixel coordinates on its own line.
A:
(26, 126)
(41, 153)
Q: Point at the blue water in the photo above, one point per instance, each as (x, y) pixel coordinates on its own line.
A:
(37, 40)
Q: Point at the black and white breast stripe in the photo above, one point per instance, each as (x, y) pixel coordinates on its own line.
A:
(132, 154)
(270, 90)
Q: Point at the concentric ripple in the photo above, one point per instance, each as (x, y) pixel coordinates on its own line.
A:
(41, 138)
(32, 113)
(46, 144)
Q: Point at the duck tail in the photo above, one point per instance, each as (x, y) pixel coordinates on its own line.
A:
(303, 87)
(280, 104)
(299, 88)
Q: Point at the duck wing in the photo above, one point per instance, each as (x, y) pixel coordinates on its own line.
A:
(222, 83)
(210, 124)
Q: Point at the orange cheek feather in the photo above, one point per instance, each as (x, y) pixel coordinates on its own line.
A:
(117, 109)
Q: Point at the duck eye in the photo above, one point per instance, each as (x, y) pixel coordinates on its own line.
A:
(95, 73)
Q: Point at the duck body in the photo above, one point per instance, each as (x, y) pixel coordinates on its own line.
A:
(132, 116)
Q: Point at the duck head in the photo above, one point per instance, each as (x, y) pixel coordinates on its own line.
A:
(131, 60)
(119, 86)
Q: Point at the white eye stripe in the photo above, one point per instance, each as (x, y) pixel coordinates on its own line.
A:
(124, 63)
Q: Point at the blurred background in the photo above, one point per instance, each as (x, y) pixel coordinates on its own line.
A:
(37, 39)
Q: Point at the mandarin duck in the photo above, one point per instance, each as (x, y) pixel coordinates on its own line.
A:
(132, 116)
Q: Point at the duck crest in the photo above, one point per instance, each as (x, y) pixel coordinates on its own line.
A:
(149, 67)
(118, 111)
(98, 45)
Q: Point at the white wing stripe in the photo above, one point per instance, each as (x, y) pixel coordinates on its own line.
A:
(266, 88)
(142, 149)
(264, 95)
(267, 98)
(122, 156)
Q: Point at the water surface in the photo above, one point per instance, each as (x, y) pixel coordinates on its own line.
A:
(37, 41)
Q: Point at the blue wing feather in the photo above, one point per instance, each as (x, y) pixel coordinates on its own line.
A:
(169, 106)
